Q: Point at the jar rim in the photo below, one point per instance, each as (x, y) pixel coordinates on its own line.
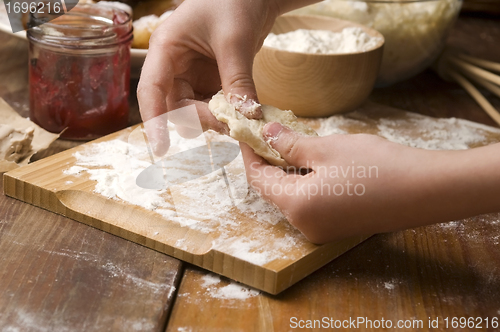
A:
(85, 26)
(101, 18)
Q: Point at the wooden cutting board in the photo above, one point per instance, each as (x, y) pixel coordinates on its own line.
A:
(257, 249)
(244, 248)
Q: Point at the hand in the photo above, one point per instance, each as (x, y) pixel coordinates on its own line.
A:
(202, 45)
(363, 184)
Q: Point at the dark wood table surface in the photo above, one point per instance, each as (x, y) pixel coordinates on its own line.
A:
(59, 275)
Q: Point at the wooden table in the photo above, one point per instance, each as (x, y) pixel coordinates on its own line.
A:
(59, 275)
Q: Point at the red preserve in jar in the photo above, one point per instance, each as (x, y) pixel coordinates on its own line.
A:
(79, 72)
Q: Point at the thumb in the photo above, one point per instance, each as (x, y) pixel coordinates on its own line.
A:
(235, 68)
(292, 146)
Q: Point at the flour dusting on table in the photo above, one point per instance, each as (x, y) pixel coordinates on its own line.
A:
(410, 129)
(232, 291)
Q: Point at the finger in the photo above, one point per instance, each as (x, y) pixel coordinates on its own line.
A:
(182, 95)
(272, 182)
(235, 68)
(295, 148)
(256, 167)
(155, 81)
(156, 130)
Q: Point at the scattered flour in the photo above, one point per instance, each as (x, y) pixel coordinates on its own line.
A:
(233, 291)
(412, 129)
(115, 165)
(239, 221)
(434, 134)
(389, 285)
(349, 40)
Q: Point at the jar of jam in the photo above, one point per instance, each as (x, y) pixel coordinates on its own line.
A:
(79, 72)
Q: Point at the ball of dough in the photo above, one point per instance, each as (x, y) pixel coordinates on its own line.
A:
(249, 131)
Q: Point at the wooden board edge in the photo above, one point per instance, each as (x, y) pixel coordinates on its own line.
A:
(259, 277)
(213, 260)
(324, 254)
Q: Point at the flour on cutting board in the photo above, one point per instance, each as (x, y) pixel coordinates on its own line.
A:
(202, 204)
(209, 205)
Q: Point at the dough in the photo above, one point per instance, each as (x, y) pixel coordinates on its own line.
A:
(250, 131)
(15, 145)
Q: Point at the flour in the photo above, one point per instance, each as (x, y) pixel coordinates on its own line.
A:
(434, 134)
(412, 129)
(242, 224)
(201, 204)
(349, 40)
(414, 31)
(389, 285)
(115, 165)
(233, 291)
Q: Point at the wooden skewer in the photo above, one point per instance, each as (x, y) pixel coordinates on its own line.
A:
(483, 102)
(495, 89)
(480, 62)
(475, 70)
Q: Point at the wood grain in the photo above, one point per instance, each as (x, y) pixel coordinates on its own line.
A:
(44, 184)
(438, 271)
(316, 85)
(60, 275)
(445, 270)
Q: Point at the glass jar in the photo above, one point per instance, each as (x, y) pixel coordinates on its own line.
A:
(79, 72)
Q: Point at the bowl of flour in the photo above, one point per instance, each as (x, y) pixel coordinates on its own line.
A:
(317, 66)
(415, 31)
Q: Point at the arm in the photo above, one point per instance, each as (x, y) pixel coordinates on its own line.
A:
(392, 186)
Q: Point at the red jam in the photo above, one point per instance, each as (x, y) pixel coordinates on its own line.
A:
(81, 90)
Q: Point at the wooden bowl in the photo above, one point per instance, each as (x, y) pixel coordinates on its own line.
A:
(315, 85)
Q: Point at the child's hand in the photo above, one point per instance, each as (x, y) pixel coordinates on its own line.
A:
(363, 184)
(201, 46)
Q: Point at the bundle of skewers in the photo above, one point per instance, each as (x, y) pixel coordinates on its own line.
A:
(469, 72)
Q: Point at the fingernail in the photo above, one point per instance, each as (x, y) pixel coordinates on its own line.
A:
(236, 100)
(251, 109)
(272, 130)
(248, 107)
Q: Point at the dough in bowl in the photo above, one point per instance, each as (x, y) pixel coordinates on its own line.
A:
(249, 131)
